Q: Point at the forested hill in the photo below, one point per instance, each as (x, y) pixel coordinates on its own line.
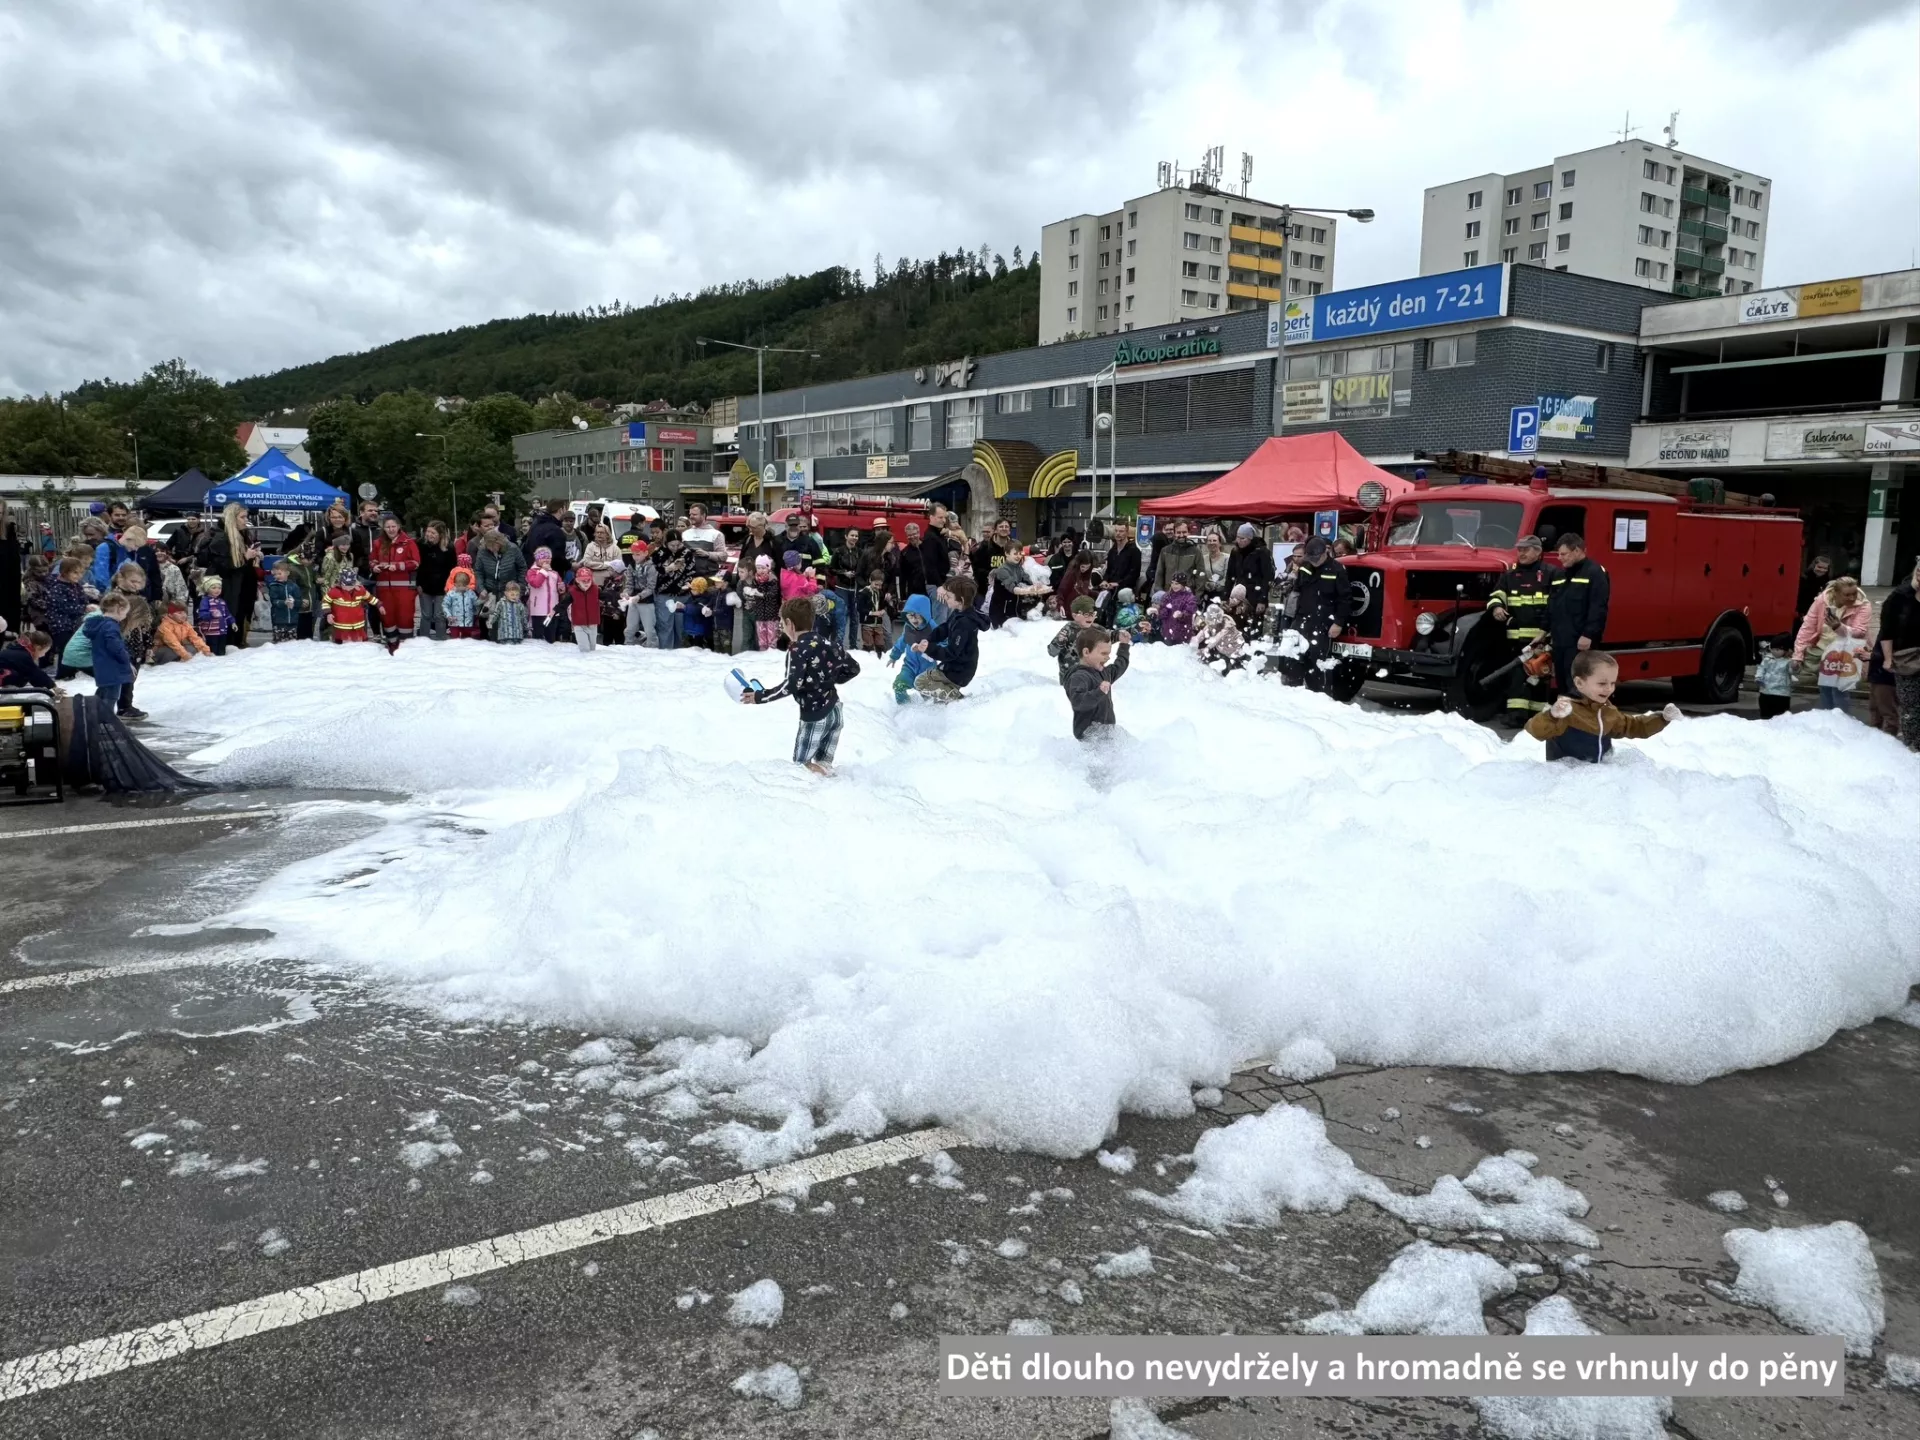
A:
(918, 312)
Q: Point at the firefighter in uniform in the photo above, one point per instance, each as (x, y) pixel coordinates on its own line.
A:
(1321, 601)
(1576, 608)
(1519, 601)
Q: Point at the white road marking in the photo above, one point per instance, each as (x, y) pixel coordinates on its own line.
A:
(205, 819)
(52, 1369)
(62, 978)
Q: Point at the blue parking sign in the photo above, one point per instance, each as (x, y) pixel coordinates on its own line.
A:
(1523, 430)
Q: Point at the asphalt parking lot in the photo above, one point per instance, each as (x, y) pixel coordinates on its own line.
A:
(191, 1126)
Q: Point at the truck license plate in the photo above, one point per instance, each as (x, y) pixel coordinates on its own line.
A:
(1357, 652)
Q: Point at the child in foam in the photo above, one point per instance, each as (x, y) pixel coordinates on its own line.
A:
(212, 618)
(762, 594)
(696, 615)
(1090, 683)
(350, 608)
(1583, 729)
(795, 581)
(1065, 653)
(544, 596)
(175, 636)
(583, 608)
(916, 624)
(509, 621)
(1177, 612)
(815, 667)
(954, 644)
(285, 599)
(460, 607)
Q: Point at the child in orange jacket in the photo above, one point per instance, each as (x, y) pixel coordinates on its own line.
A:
(175, 636)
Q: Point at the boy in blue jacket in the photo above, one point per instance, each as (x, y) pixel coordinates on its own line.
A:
(916, 625)
(112, 665)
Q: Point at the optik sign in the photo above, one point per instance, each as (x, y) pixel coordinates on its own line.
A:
(1476, 294)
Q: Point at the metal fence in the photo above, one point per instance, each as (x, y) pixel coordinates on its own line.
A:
(30, 513)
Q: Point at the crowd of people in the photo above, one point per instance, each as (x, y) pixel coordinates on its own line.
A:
(913, 591)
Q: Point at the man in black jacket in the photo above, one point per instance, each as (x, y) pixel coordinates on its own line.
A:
(1320, 614)
(1123, 570)
(933, 555)
(1250, 563)
(1576, 607)
(912, 562)
(547, 531)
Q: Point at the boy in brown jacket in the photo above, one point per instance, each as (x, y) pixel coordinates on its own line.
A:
(1584, 729)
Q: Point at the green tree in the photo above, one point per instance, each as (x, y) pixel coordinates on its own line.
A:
(474, 467)
(182, 419)
(380, 444)
(49, 436)
(559, 410)
(500, 417)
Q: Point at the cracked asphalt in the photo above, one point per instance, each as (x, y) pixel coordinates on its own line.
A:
(183, 1139)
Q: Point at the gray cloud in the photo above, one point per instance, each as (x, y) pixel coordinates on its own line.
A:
(252, 184)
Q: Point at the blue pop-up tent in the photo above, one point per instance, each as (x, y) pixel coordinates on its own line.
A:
(273, 482)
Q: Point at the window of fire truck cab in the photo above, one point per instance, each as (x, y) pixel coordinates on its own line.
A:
(1459, 519)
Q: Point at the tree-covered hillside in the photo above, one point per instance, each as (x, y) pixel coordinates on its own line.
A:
(918, 311)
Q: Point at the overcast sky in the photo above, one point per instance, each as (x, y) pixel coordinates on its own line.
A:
(258, 183)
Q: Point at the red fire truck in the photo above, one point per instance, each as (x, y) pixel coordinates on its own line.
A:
(1693, 583)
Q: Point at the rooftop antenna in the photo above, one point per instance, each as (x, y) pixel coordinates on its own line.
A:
(1627, 127)
(1163, 176)
(1673, 119)
(1246, 173)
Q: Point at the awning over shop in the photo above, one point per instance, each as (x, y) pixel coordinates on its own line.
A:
(1287, 475)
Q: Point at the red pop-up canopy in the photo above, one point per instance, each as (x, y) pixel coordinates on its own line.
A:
(1287, 475)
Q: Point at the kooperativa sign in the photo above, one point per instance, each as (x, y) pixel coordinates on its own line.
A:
(1131, 354)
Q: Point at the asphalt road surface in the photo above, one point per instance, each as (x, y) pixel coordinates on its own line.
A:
(390, 1198)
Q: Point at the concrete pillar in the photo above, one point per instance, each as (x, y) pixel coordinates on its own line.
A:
(1885, 481)
(1897, 380)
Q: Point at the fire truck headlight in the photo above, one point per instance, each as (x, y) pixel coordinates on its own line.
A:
(1423, 624)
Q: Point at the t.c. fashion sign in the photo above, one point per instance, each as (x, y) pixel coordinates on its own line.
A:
(1476, 294)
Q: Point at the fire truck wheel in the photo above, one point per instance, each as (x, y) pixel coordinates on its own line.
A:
(1723, 664)
(1344, 682)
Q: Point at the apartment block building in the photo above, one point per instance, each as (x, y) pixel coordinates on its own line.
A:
(1181, 254)
(1636, 212)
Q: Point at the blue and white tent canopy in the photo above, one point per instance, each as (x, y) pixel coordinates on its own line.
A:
(273, 482)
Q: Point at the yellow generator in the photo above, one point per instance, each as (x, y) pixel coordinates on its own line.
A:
(30, 767)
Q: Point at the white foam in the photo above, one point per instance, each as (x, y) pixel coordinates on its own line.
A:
(1126, 1265)
(1031, 974)
(1571, 1417)
(1131, 1419)
(1820, 1279)
(761, 1304)
(1425, 1290)
(779, 1382)
(1262, 1166)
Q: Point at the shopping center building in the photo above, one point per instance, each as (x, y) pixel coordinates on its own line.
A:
(1806, 393)
(1403, 370)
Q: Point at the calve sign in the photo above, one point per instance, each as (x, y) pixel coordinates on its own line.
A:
(1476, 294)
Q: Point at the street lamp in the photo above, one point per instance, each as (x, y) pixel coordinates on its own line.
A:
(1106, 422)
(1365, 217)
(760, 353)
(134, 435)
(452, 489)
